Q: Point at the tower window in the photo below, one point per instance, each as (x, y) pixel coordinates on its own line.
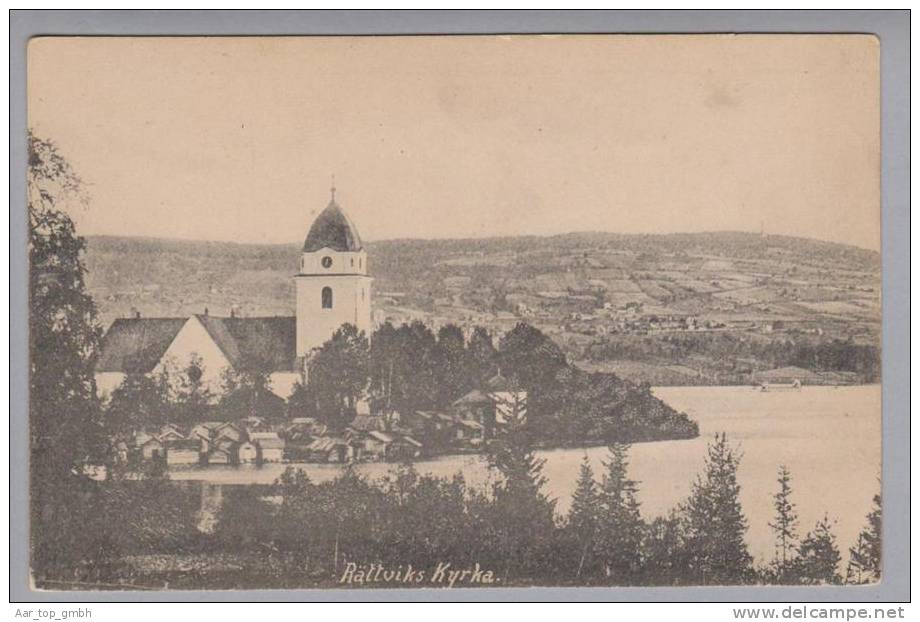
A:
(327, 262)
(327, 298)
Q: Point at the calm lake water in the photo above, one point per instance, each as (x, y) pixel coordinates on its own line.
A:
(829, 438)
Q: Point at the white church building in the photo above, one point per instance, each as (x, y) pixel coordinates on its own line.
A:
(332, 288)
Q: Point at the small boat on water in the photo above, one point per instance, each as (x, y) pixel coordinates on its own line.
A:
(781, 386)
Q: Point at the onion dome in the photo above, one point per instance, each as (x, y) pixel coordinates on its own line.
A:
(332, 229)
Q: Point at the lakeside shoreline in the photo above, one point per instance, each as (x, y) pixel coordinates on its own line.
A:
(189, 474)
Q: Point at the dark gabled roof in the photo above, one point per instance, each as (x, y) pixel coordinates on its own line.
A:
(210, 425)
(187, 444)
(367, 423)
(499, 383)
(136, 345)
(326, 443)
(473, 397)
(267, 341)
(332, 229)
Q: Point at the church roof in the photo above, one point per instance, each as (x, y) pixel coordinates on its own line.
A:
(136, 345)
(332, 229)
(268, 341)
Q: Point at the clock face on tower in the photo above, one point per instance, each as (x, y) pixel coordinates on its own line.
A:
(332, 287)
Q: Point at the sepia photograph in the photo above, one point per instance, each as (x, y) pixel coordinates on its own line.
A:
(493, 311)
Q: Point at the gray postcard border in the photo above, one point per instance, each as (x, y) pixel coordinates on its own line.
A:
(892, 27)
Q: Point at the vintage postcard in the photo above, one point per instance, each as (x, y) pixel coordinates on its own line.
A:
(454, 311)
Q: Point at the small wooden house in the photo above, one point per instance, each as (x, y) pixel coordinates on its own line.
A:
(368, 423)
(141, 437)
(468, 431)
(304, 425)
(509, 400)
(153, 449)
(376, 445)
(422, 421)
(205, 432)
(330, 449)
(431, 427)
(223, 452)
(171, 432)
(298, 450)
(476, 406)
(183, 452)
(403, 448)
(228, 431)
(247, 453)
(270, 446)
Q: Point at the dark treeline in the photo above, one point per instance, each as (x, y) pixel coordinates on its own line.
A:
(717, 243)
(801, 351)
(408, 368)
(298, 533)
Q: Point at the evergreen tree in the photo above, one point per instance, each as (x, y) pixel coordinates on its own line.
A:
(866, 557)
(140, 402)
(301, 402)
(784, 526)
(193, 397)
(65, 427)
(664, 556)
(482, 356)
(521, 525)
(420, 362)
(385, 368)
(454, 372)
(818, 556)
(583, 521)
(338, 375)
(621, 524)
(531, 357)
(247, 392)
(714, 523)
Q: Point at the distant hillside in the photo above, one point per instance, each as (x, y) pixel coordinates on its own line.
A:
(593, 292)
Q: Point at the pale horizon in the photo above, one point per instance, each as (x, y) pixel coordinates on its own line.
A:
(236, 139)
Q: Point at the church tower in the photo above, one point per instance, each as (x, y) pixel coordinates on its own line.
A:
(332, 285)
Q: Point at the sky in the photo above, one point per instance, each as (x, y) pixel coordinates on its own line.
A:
(237, 139)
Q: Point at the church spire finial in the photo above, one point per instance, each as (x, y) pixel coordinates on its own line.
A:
(332, 189)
